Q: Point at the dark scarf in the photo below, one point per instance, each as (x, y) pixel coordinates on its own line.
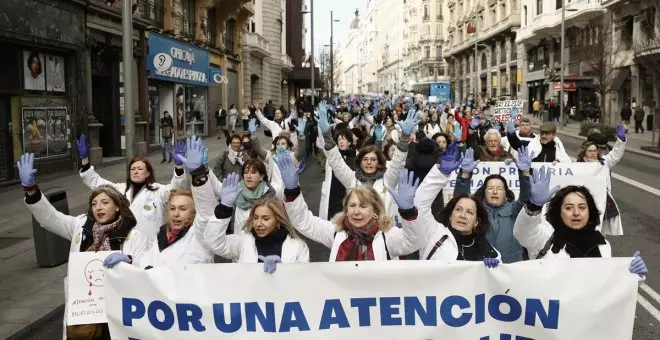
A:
(272, 243)
(472, 247)
(578, 243)
(136, 189)
(100, 233)
(358, 245)
(367, 179)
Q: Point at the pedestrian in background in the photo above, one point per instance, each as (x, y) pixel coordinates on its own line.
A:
(639, 119)
(167, 127)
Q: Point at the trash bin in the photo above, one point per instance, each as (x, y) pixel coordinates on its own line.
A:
(51, 249)
(649, 122)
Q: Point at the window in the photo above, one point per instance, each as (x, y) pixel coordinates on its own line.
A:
(438, 52)
(438, 11)
(503, 13)
(558, 4)
(427, 31)
(187, 19)
(229, 36)
(539, 7)
(211, 27)
(427, 52)
(438, 31)
(427, 14)
(492, 17)
(524, 15)
(493, 55)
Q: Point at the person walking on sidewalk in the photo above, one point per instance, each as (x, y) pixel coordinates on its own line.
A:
(167, 127)
(219, 115)
(231, 120)
(626, 113)
(639, 119)
(245, 117)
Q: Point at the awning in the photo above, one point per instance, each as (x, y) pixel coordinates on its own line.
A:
(568, 86)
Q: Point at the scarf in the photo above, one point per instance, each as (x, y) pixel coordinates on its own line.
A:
(272, 243)
(235, 156)
(173, 234)
(367, 179)
(472, 247)
(100, 232)
(577, 243)
(247, 197)
(358, 245)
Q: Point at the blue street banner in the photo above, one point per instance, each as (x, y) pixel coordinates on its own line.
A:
(441, 91)
(176, 61)
(578, 299)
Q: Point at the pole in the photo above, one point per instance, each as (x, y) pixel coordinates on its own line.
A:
(129, 112)
(561, 68)
(311, 64)
(332, 64)
(476, 48)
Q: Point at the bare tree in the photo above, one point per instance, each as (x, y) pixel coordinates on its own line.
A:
(646, 48)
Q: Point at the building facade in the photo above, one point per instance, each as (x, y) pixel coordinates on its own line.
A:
(390, 47)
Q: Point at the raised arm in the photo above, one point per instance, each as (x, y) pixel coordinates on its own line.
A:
(464, 180)
(274, 128)
(437, 179)
(215, 234)
(524, 164)
(615, 156)
(256, 145)
(405, 240)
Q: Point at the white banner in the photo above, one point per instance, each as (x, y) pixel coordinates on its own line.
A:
(578, 299)
(86, 288)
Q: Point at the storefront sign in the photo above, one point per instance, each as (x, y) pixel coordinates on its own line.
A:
(175, 61)
(215, 74)
(46, 131)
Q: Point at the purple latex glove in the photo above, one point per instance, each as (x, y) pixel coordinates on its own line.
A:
(474, 124)
(491, 263)
(404, 195)
(468, 163)
(449, 161)
(83, 151)
(26, 170)
(179, 150)
(621, 132)
(541, 192)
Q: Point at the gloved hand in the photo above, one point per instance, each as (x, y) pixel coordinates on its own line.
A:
(287, 170)
(83, 151)
(491, 263)
(621, 132)
(476, 121)
(408, 125)
(379, 131)
(404, 195)
(508, 161)
(115, 258)
(323, 118)
(179, 151)
(293, 125)
(194, 154)
(637, 265)
(26, 170)
(524, 159)
(511, 127)
(252, 126)
(270, 263)
(449, 161)
(541, 192)
(300, 129)
(230, 190)
(468, 164)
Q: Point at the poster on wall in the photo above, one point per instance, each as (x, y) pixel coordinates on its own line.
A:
(33, 73)
(57, 131)
(55, 72)
(34, 131)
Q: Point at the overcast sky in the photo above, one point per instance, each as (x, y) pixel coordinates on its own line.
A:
(343, 10)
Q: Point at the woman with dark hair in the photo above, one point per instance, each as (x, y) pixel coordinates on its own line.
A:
(569, 229)
(253, 186)
(231, 160)
(281, 144)
(442, 139)
(108, 225)
(147, 198)
(499, 200)
(461, 227)
(332, 190)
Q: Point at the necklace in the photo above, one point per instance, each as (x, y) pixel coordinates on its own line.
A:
(463, 249)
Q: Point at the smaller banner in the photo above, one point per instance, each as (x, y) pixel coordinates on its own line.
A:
(86, 288)
(505, 109)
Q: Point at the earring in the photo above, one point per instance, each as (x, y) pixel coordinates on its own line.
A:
(375, 216)
(278, 226)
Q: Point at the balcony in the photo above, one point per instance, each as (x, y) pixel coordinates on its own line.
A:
(225, 7)
(287, 63)
(509, 23)
(549, 24)
(258, 45)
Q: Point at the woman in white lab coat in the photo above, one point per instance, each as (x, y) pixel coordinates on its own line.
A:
(267, 236)
(147, 198)
(109, 224)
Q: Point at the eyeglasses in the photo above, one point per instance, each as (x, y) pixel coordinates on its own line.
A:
(494, 189)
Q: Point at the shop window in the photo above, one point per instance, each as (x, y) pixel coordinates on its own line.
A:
(196, 112)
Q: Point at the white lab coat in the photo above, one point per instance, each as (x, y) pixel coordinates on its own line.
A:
(533, 232)
(534, 147)
(240, 247)
(431, 129)
(612, 226)
(71, 228)
(432, 231)
(400, 241)
(189, 249)
(148, 206)
(276, 128)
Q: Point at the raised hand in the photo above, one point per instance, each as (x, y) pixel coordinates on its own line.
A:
(404, 195)
(379, 131)
(508, 161)
(179, 150)
(26, 170)
(83, 151)
(287, 170)
(524, 159)
(637, 265)
(476, 121)
(300, 129)
(115, 258)
(408, 125)
(541, 192)
(511, 127)
(194, 157)
(324, 124)
(491, 263)
(270, 263)
(621, 132)
(252, 126)
(230, 190)
(468, 164)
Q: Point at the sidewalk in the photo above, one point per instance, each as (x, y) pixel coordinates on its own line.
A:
(30, 292)
(635, 140)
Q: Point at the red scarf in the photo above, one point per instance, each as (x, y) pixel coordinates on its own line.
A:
(173, 234)
(358, 245)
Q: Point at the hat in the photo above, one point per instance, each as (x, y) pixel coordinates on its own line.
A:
(423, 157)
(548, 127)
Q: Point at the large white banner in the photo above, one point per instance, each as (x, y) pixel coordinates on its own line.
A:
(544, 299)
(86, 288)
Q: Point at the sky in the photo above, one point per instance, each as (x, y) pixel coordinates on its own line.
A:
(344, 11)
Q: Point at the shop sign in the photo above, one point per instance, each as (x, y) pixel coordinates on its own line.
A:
(175, 61)
(216, 77)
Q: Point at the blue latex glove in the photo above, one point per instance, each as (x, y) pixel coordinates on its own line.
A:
(83, 151)
(404, 195)
(287, 170)
(300, 129)
(541, 192)
(179, 151)
(252, 126)
(26, 170)
(115, 258)
(637, 265)
(468, 163)
(474, 124)
(324, 124)
(621, 132)
(491, 263)
(230, 190)
(508, 161)
(411, 122)
(524, 159)
(379, 131)
(194, 157)
(270, 263)
(449, 161)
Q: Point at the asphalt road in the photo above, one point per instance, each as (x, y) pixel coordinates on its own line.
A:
(639, 209)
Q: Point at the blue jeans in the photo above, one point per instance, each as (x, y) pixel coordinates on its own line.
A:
(166, 146)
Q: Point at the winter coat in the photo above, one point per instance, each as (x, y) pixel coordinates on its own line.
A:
(386, 246)
(147, 206)
(223, 165)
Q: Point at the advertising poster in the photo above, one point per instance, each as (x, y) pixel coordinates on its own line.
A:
(55, 72)
(57, 131)
(86, 295)
(34, 76)
(34, 131)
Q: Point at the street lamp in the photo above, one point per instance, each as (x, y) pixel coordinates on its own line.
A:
(561, 68)
(127, 56)
(332, 61)
(311, 59)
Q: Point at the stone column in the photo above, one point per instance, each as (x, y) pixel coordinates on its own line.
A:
(93, 125)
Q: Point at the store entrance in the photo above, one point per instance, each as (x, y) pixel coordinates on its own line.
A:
(6, 159)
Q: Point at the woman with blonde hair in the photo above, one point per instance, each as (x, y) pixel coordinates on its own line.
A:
(267, 236)
(362, 231)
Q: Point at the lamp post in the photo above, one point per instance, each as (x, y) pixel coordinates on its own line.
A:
(127, 56)
(311, 58)
(476, 49)
(561, 67)
(332, 60)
